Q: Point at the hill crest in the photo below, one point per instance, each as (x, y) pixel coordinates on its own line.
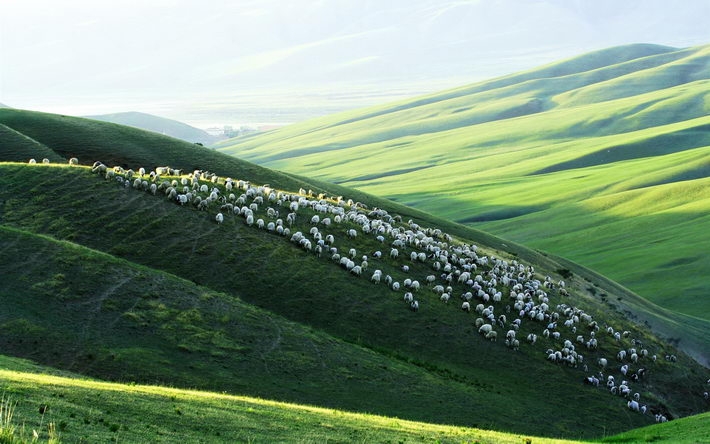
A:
(160, 125)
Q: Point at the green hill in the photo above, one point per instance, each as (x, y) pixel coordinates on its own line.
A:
(125, 285)
(85, 410)
(81, 409)
(161, 125)
(593, 159)
(692, 429)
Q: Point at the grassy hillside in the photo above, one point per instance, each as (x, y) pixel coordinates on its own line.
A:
(178, 298)
(85, 410)
(86, 311)
(160, 125)
(592, 159)
(693, 429)
(182, 346)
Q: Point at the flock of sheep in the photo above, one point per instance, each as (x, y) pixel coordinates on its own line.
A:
(502, 294)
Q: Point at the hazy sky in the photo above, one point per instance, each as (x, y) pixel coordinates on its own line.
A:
(219, 61)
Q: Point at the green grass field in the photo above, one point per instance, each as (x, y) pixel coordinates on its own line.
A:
(602, 159)
(125, 286)
(88, 410)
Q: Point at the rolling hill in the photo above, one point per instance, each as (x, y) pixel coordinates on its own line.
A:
(160, 125)
(602, 159)
(114, 282)
(84, 409)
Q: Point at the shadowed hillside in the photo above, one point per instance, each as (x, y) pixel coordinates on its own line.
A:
(539, 157)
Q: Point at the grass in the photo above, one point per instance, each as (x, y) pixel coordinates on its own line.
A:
(87, 410)
(11, 433)
(540, 158)
(134, 288)
(320, 336)
(693, 429)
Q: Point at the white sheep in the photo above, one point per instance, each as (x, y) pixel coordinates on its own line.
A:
(73, 161)
(465, 306)
(219, 218)
(485, 329)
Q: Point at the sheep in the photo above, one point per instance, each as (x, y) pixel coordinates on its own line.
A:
(513, 343)
(445, 297)
(414, 305)
(485, 329)
(73, 161)
(408, 297)
(492, 335)
(592, 380)
(32, 161)
(465, 306)
(532, 338)
(219, 218)
(394, 253)
(633, 405)
(602, 362)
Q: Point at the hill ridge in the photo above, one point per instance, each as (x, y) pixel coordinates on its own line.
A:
(160, 125)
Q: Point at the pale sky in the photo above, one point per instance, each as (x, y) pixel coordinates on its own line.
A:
(226, 62)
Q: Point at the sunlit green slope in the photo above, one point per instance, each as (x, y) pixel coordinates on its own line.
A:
(86, 410)
(541, 158)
